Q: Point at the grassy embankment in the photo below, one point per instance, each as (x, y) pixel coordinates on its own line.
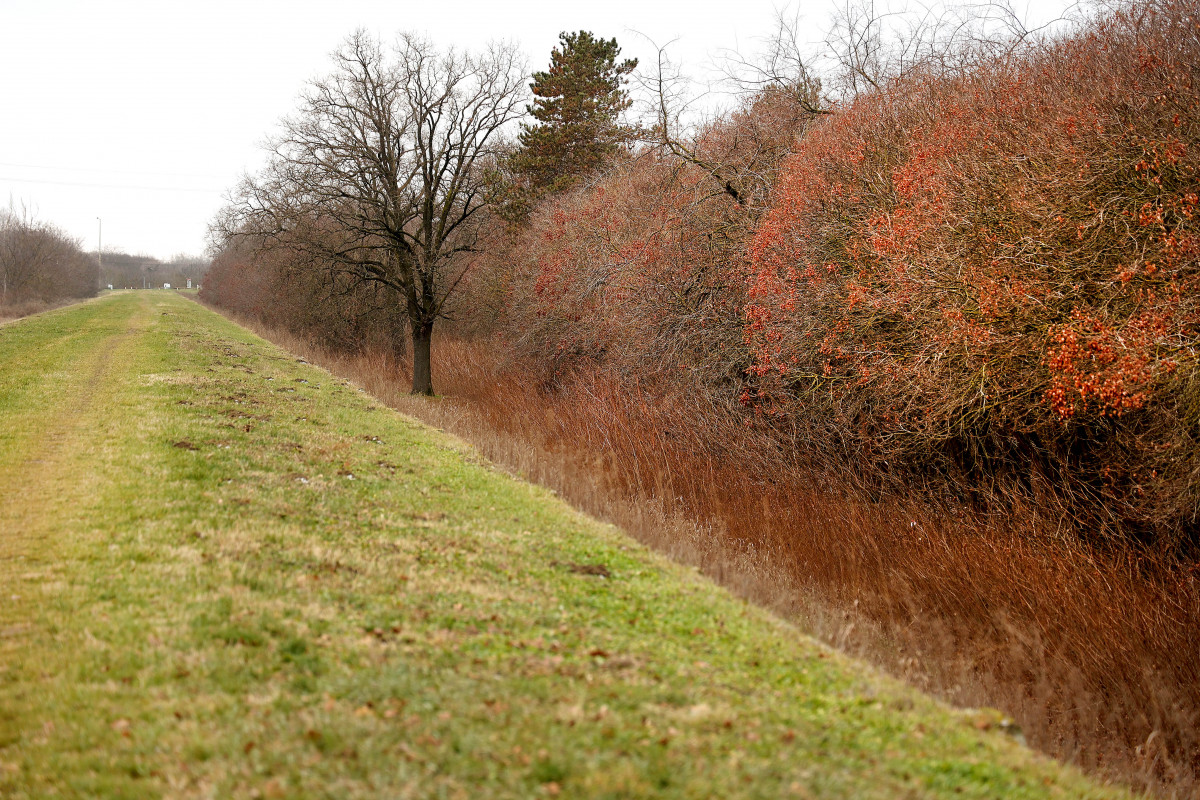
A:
(226, 573)
(15, 311)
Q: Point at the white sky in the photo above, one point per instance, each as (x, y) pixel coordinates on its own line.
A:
(145, 113)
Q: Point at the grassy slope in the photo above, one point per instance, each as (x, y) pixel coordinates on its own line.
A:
(325, 599)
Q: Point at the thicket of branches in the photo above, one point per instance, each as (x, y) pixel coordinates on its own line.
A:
(995, 274)
(252, 279)
(981, 276)
(41, 262)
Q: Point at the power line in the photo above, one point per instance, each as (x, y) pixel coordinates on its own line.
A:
(100, 170)
(113, 186)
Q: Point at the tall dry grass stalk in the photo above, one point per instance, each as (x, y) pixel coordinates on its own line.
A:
(14, 311)
(1094, 654)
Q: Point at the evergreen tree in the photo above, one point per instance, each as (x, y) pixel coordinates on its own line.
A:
(577, 104)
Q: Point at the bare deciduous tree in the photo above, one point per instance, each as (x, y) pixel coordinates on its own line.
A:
(784, 63)
(380, 177)
(872, 42)
(741, 153)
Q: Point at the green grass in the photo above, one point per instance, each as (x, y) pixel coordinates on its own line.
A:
(225, 573)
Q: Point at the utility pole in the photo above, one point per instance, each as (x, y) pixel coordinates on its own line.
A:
(100, 250)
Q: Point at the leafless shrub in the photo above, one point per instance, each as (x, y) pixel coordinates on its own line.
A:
(40, 262)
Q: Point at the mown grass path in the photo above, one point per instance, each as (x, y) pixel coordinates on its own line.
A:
(225, 573)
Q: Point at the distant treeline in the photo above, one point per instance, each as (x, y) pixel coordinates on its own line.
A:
(42, 264)
(126, 271)
(39, 262)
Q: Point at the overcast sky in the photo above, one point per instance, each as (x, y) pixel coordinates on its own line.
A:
(145, 113)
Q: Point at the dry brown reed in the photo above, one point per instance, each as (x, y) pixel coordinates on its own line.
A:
(26, 308)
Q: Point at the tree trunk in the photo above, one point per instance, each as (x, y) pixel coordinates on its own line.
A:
(422, 334)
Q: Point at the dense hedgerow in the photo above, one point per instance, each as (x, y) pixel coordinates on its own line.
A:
(643, 272)
(983, 280)
(997, 272)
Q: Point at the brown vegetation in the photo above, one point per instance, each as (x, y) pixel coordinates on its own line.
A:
(992, 277)
(261, 284)
(27, 308)
(982, 282)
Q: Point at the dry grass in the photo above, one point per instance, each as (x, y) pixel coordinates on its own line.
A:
(26, 308)
(1094, 654)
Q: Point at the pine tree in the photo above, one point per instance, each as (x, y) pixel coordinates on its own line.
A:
(577, 104)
